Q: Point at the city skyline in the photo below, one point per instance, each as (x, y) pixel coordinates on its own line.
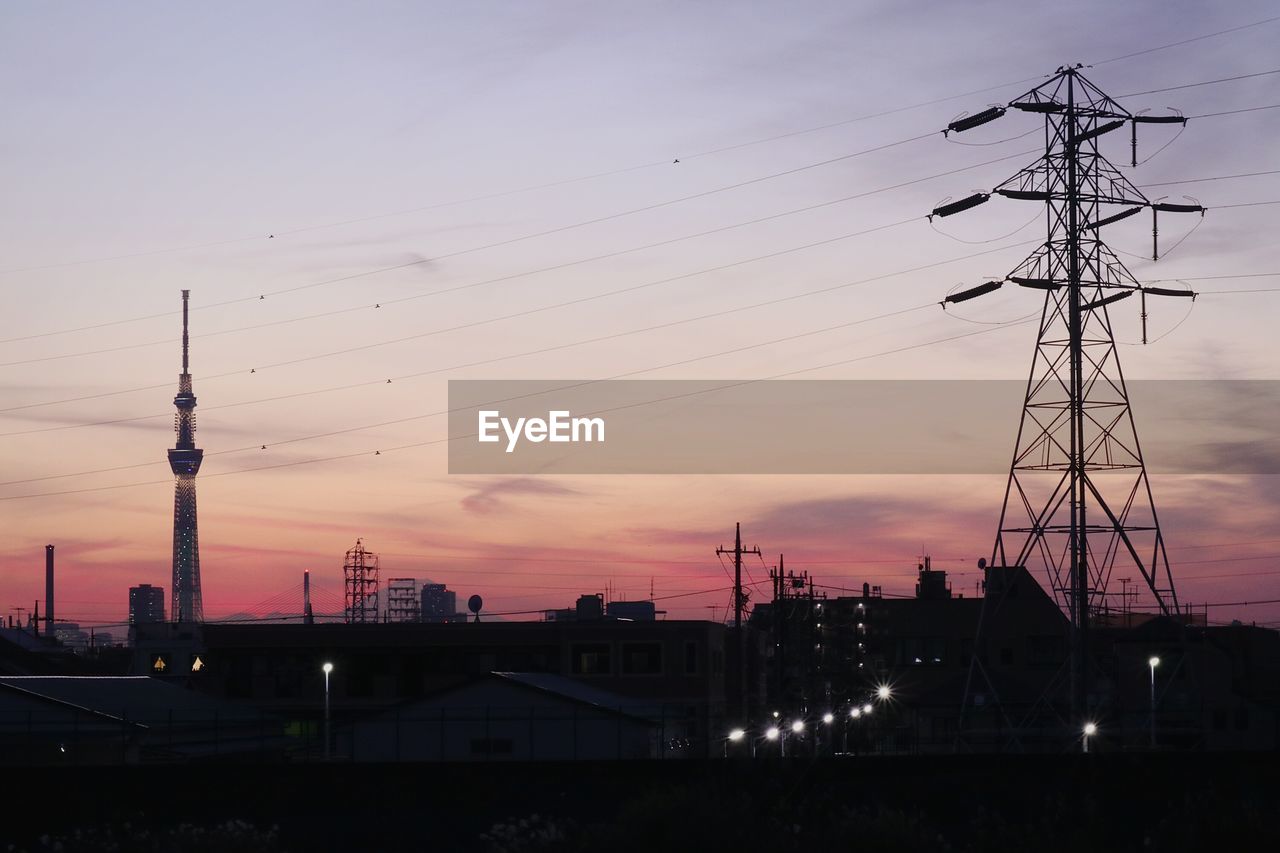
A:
(220, 195)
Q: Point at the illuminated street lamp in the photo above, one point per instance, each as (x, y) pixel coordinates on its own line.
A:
(828, 718)
(866, 709)
(735, 735)
(884, 692)
(328, 668)
(797, 726)
(771, 733)
(1090, 729)
(855, 712)
(1153, 662)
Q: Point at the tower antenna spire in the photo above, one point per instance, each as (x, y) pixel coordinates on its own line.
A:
(184, 460)
(186, 298)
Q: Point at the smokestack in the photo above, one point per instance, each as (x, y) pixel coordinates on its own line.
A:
(307, 617)
(48, 586)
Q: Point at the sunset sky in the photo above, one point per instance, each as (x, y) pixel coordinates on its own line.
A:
(456, 163)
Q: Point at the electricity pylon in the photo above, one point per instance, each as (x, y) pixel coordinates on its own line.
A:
(1078, 501)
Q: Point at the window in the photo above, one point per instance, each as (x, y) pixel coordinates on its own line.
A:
(642, 658)
(591, 659)
(690, 658)
(491, 746)
(1045, 649)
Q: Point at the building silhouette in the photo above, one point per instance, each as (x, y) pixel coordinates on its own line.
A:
(439, 603)
(184, 460)
(146, 603)
(402, 600)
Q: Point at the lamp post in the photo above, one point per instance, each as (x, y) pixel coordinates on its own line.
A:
(772, 733)
(328, 668)
(1089, 731)
(1153, 662)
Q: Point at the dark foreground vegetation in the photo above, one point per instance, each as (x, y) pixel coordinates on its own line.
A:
(954, 803)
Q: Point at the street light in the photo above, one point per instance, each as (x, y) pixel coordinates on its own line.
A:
(797, 726)
(1089, 731)
(884, 692)
(735, 735)
(1153, 662)
(855, 712)
(328, 668)
(828, 718)
(866, 709)
(771, 733)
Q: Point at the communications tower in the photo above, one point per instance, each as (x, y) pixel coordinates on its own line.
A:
(184, 460)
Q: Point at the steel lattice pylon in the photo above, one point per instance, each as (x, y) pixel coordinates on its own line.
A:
(360, 583)
(1078, 503)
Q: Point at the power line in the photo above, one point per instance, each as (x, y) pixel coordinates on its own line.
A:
(1188, 41)
(260, 296)
(506, 193)
(560, 229)
(1201, 83)
(259, 445)
(603, 174)
(431, 442)
(396, 421)
(577, 301)
(381, 381)
(1236, 112)
(1200, 180)
(511, 316)
(1246, 204)
(771, 302)
(504, 278)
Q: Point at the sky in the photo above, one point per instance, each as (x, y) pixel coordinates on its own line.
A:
(414, 191)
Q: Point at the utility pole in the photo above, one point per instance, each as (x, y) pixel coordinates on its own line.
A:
(1076, 418)
(739, 605)
(779, 626)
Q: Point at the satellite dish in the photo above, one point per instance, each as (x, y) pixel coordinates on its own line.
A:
(474, 603)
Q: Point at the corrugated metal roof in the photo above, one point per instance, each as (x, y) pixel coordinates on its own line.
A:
(135, 697)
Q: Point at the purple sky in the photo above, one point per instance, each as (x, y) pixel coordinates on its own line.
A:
(153, 147)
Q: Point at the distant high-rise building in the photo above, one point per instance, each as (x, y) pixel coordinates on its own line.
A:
(70, 635)
(402, 600)
(184, 460)
(439, 604)
(146, 604)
